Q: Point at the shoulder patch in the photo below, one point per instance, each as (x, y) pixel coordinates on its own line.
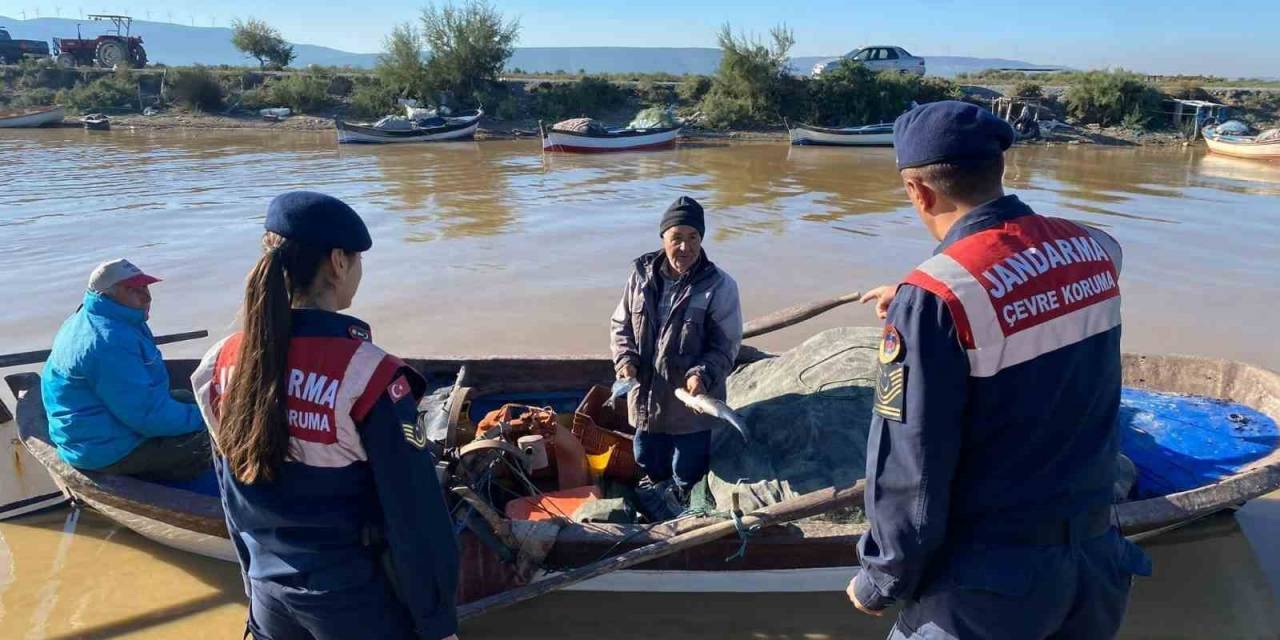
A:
(891, 391)
(890, 345)
(359, 333)
(399, 388)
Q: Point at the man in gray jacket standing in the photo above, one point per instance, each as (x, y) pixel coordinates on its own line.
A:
(678, 325)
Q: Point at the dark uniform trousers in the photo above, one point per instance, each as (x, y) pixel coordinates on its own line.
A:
(1077, 590)
(281, 612)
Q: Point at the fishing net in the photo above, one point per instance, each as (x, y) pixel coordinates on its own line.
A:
(393, 123)
(808, 412)
(653, 118)
(578, 125)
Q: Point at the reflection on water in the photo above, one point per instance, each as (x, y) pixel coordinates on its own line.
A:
(1258, 177)
(491, 248)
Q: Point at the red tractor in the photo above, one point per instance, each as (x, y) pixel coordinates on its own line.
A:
(108, 50)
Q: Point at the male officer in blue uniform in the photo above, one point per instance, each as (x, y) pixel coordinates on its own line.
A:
(993, 446)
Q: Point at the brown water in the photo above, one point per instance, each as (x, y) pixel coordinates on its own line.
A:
(485, 248)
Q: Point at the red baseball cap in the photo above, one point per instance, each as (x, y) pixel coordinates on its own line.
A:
(119, 271)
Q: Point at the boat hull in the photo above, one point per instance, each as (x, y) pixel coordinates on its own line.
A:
(1243, 147)
(351, 133)
(33, 119)
(810, 555)
(642, 140)
(871, 136)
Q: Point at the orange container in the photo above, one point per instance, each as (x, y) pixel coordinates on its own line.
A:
(599, 427)
(555, 504)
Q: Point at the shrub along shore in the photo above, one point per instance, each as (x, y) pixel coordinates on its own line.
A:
(1108, 106)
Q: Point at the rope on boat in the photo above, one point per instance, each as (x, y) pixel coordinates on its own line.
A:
(744, 532)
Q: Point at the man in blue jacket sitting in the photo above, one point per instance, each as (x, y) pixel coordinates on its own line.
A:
(106, 390)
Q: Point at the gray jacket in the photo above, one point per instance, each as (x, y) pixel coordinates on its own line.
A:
(701, 337)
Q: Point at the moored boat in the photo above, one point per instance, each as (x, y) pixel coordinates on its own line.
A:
(96, 122)
(1264, 146)
(872, 135)
(811, 555)
(31, 118)
(602, 140)
(459, 127)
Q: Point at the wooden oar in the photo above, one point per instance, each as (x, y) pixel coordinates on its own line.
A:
(35, 357)
(794, 315)
(809, 504)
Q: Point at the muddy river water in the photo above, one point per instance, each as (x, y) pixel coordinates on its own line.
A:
(493, 248)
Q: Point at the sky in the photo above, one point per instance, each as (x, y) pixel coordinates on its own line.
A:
(1234, 38)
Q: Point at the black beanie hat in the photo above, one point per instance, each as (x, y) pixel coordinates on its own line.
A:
(684, 211)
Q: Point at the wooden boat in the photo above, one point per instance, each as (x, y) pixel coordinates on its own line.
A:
(26, 486)
(608, 140)
(804, 556)
(871, 135)
(96, 122)
(32, 118)
(459, 127)
(1259, 147)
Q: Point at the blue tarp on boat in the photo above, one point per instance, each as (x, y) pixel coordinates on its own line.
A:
(1181, 442)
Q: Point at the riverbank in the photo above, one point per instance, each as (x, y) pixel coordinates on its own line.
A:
(528, 128)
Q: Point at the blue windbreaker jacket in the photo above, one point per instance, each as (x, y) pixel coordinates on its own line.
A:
(105, 386)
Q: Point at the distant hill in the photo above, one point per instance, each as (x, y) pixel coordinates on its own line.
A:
(175, 44)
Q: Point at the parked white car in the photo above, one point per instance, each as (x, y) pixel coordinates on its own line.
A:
(878, 58)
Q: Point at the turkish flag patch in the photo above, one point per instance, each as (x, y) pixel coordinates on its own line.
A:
(399, 388)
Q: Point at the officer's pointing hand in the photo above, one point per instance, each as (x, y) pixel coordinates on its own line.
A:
(853, 597)
(883, 295)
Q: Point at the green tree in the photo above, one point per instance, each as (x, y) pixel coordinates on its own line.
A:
(257, 39)
(1113, 97)
(753, 83)
(401, 67)
(469, 45)
(280, 55)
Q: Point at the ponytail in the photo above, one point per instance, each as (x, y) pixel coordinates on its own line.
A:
(254, 433)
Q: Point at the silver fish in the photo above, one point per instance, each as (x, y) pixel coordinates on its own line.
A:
(623, 387)
(710, 406)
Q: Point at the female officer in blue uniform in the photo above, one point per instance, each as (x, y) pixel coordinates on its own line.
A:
(331, 500)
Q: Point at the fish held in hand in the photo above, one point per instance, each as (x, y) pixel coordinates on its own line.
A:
(710, 406)
(623, 387)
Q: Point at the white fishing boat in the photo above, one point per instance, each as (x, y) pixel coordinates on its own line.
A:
(872, 135)
(592, 139)
(31, 118)
(405, 130)
(1264, 146)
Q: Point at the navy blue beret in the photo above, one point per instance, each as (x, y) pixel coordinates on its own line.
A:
(949, 131)
(319, 220)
